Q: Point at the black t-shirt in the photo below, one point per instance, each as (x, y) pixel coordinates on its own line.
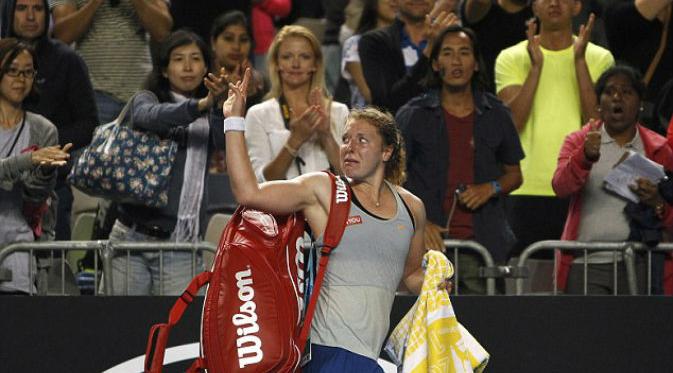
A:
(635, 40)
(495, 32)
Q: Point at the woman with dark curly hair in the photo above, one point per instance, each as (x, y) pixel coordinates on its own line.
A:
(381, 249)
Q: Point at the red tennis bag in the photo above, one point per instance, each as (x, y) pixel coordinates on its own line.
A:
(251, 318)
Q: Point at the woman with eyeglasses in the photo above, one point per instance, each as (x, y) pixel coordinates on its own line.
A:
(29, 155)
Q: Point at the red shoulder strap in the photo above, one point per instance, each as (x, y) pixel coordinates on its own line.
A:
(336, 224)
(158, 338)
(338, 213)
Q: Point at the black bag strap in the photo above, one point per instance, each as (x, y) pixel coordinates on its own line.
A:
(18, 134)
(336, 224)
(285, 113)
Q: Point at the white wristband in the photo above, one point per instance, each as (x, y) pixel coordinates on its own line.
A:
(234, 124)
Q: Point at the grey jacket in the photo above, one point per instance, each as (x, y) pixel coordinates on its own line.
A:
(37, 182)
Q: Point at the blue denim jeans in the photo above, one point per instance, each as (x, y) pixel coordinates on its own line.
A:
(145, 274)
(108, 106)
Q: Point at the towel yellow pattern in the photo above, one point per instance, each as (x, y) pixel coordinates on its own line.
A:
(429, 338)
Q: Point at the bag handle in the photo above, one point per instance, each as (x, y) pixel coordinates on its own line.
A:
(336, 224)
(119, 121)
(660, 52)
(158, 338)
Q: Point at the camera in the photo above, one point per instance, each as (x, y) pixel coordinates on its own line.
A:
(461, 188)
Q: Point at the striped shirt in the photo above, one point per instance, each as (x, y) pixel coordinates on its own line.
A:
(115, 48)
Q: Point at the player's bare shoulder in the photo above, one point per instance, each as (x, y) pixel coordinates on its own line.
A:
(414, 203)
(320, 185)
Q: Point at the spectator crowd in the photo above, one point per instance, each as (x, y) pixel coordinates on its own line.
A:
(512, 113)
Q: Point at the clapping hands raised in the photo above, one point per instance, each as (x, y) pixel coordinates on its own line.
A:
(255, 85)
(314, 120)
(534, 50)
(582, 40)
(217, 87)
(435, 23)
(51, 156)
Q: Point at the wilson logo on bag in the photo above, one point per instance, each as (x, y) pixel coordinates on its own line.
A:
(248, 344)
(251, 318)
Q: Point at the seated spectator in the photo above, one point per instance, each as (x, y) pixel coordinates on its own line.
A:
(181, 113)
(24, 185)
(395, 58)
(297, 129)
(376, 14)
(595, 214)
(66, 96)
(547, 81)
(231, 42)
(639, 34)
(113, 38)
(498, 24)
(463, 155)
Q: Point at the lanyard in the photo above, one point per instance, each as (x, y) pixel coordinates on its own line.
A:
(285, 113)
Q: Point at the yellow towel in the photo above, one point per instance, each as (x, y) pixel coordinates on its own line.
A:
(430, 338)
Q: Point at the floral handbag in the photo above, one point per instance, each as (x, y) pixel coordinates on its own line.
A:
(125, 165)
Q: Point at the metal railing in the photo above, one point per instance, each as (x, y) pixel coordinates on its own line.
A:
(129, 247)
(624, 250)
(103, 249)
(52, 246)
(455, 245)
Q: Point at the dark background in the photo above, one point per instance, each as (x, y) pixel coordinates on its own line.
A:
(522, 334)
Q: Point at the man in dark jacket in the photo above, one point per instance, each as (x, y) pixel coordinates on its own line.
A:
(463, 155)
(66, 95)
(395, 58)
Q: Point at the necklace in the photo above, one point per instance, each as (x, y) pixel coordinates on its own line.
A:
(374, 199)
(366, 192)
(377, 202)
